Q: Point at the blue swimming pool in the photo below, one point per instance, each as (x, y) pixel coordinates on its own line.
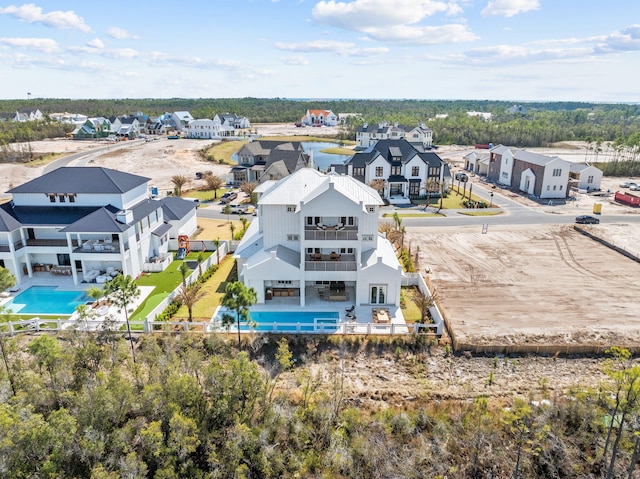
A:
(291, 321)
(47, 300)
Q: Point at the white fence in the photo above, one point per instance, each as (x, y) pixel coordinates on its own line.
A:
(416, 279)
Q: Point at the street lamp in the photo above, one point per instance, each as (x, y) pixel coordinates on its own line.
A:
(491, 202)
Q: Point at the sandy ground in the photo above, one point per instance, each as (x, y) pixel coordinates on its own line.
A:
(534, 284)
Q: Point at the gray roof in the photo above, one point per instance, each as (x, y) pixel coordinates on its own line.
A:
(175, 208)
(162, 229)
(288, 157)
(78, 179)
(50, 215)
(8, 222)
(102, 220)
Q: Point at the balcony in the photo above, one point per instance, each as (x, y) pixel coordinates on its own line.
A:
(49, 242)
(330, 262)
(348, 233)
(95, 246)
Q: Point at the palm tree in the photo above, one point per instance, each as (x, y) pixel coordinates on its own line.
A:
(178, 182)
(123, 290)
(232, 227)
(216, 243)
(244, 222)
(200, 260)
(238, 297)
(214, 182)
(189, 296)
(184, 272)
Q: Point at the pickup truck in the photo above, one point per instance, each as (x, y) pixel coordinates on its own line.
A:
(228, 197)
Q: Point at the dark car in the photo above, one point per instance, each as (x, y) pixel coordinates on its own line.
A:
(461, 176)
(587, 220)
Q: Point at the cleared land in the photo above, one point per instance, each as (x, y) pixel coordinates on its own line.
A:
(534, 285)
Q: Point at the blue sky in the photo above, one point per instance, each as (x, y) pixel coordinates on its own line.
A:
(555, 50)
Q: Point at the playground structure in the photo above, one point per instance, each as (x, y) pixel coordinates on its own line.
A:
(184, 246)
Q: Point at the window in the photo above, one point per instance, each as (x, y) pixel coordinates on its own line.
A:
(560, 187)
(72, 198)
(505, 174)
(291, 208)
(379, 171)
(64, 259)
(371, 209)
(415, 135)
(548, 187)
(554, 187)
(434, 171)
(309, 250)
(396, 170)
(590, 179)
(367, 237)
(293, 238)
(351, 221)
(557, 172)
(283, 281)
(309, 220)
(358, 171)
(415, 171)
(61, 198)
(52, 198)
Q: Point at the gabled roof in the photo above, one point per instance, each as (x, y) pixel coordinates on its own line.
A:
(162, 229)
(49, 215)
(85, 180)
(8, 222)
(101, 220)
(578, 167)
(534, 158)
(175, 208)
(307, 183)
(289, 158)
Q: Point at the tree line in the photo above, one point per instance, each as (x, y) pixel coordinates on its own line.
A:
(540, 125)
(197, 406)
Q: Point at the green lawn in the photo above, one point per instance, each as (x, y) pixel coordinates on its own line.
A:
(205, 195)
(480, 212)
(413, 215)
(338, 151)
(222, 152)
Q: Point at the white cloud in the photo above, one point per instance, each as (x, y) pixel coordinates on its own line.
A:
(394, 20)
(45, 45)
(95, 43)
(628, 39)
(57, 19)
(295, 60)
(509, 8)
(340, 48)
(120, 33)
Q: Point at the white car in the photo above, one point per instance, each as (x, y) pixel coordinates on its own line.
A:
(624, 184)
(240, 209)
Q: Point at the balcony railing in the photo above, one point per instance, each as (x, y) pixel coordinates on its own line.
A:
(101, 247)
(330, 234)
(330, 266)
(49, 242)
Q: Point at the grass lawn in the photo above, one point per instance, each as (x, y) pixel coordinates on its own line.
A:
(338, 151)
(214, 291)
(45, 160)
(482, 212)
(205, 195)
(413, 215)
(163, 282)
(410, 311)
(217, 229)
(222, 151)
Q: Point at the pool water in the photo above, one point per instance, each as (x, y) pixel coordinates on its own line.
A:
(47, 300)
(290, 321)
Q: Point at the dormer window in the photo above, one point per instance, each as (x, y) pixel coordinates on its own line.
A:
(72, 197)
(52, 198)
(61, 198)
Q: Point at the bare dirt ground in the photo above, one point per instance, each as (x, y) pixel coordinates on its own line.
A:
(534, 284)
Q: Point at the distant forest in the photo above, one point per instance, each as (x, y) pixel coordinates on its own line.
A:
(541, 124)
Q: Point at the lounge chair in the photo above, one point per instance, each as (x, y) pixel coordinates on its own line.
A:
(351, 309)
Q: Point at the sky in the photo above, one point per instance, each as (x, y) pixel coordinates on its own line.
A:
(511, 50)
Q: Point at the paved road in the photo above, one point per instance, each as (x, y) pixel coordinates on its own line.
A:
(514, 213)
(84, 157)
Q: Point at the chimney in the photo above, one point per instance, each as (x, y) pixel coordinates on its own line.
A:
(124, 216)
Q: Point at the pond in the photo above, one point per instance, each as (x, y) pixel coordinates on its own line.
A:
(320, 160)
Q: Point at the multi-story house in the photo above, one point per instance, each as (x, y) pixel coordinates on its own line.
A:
(406, 171)
(543, 176)
(256, 157)
(181, 119)
(98, 127)
(85, 221)
(367, 135)
(203, 128)
(319, 118)
(232, 121)
(316, 238)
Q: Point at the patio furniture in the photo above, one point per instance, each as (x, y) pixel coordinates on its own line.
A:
(334, 256)
(382, 316)
(91, 275)
(351, 309)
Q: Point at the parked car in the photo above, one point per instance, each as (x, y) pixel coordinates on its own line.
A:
(240, 209)
(624, 184)
(634, 187)
(461, 176)
(587, 220)
(228, 197)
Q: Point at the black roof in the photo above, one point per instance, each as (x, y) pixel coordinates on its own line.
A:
(162, 229)
(48, 215)
(8, 222)
(102, 220)
(175, 208)
(82, 179)
(391, 149)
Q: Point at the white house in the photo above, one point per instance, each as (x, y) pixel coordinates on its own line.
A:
(181, 119)
(261, 160)
(477, 163)
(367, 135)
(28, 114)
(316, 238)
(405, 169)
(85, 222)
(535, 174)
(319, 118)
(232, 121)
(203, 128)
(584, 176)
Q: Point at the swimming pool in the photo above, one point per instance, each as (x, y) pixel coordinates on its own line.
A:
(47, 300)
(289, 321)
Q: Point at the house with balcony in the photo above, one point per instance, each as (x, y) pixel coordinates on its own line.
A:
(275, 158)
(315, 238)
(319, 118)
(87, 223)
(406, 170)
(367, 135)
(231, 122)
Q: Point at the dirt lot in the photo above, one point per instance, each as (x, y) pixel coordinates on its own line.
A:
(548, 285)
